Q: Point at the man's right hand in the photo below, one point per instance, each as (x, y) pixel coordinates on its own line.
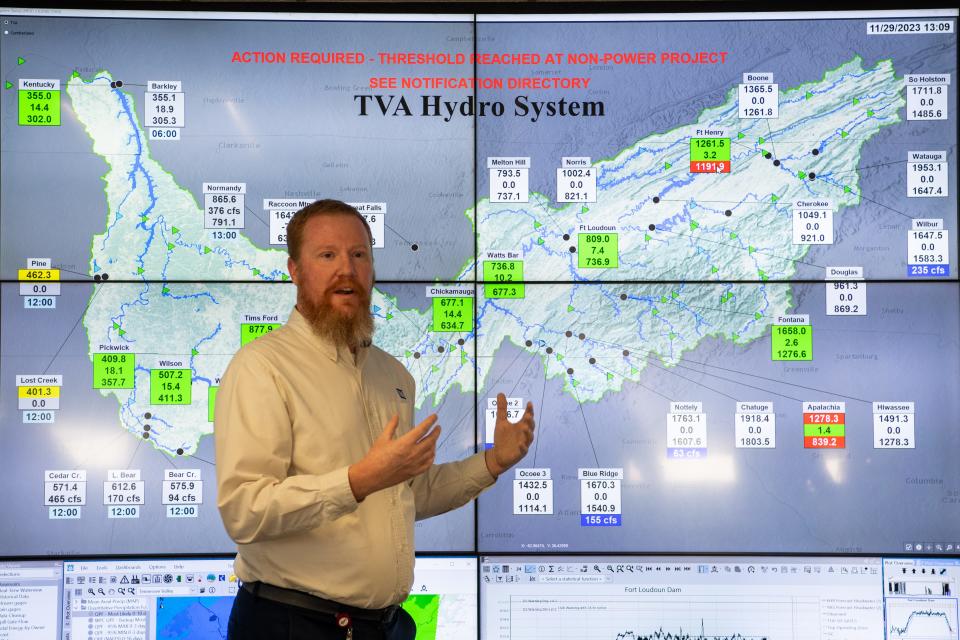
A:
(393, 460)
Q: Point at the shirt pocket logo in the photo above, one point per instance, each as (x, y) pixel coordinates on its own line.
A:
(400, 393)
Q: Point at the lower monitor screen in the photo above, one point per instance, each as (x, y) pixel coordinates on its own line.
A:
(656, 598)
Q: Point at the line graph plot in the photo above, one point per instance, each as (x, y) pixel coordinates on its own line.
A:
(922, 619)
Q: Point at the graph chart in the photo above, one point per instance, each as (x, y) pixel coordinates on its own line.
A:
(652, 617)
(922, 619)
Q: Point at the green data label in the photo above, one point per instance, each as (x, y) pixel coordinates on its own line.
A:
(38, 108)
(211, 402)
(250, 331)
(113, 370)
(597, 251)
(453, 315)
(816, 430)
(170, 386)
(503, 271)
(792, 342)
(703, 149)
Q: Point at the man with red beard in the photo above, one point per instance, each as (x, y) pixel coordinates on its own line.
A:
(320, 471)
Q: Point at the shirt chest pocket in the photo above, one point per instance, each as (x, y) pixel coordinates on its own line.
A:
(390, 400)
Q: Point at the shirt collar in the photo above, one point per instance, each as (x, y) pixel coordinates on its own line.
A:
(300, 324)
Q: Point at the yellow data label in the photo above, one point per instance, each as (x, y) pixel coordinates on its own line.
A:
(38, 392)
(43, 275)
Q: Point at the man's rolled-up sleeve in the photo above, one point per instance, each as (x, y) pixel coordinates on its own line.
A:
(254, 443)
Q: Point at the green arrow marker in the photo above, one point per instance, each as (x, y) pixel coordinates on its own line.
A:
(633, 370)
(740, 136)
(194, 352)
(751, 249)
(116, 326)
(760, 140)
(536, 225)
(8, 85)
(609, 376)
(539, 240)
(390, 317)
(207, 250)
(434, 368)
(584, 209)
(714, 270)
(674, 295)
(847, 190)
(762, 274)
(694, 225)
(735, 336)
(139, 270)
(169, 246)
(673, 335)
(801, 174)
(843, 134)
(256, 272)
(165, 290)
(20, 60)
(663, 299)
(647, 237)
(284, 277)
(774, 198)
(856, 101)
(575, 383)
(122, 332)
(407, 354)
(559, 358)
(569, 308)
(175, 230)
(733, 236)
(75, 74)
(667, 165)
(808, 95)
(757, 315)
(655, 311)
(463, 357)
(143, 218)
(869, 113)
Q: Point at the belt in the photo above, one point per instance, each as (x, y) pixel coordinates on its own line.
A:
(303, 600)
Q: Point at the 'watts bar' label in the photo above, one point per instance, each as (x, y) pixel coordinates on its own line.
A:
(928, 249)
(600, 499)
(532, 492)
(509, 179)
(758, 97)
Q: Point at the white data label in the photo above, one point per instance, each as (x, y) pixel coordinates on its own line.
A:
(812, 225)
(279, 218)
(39, 417)
(50, 404)
(600, 497)
(893, 425)
(927, 174)
(532, 492)
(759, 100)
(182, 492)
(120, 492)
(64, 513)
(576, 184)
(686, 430)
(846, 298)
(223, 205)
(509, 179)
(927, 96)
(115, 512)
(68, 492)
(928, 248)
(164, 114)
(39, 288)
(755, 425)
(183, 511)
(39, 302)
(514, 411)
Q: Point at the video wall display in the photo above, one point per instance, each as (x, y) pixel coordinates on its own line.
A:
(717, 251)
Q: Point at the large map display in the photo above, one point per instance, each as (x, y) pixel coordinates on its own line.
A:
(702, 246)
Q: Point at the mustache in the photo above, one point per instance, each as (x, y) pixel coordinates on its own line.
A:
(346, 283)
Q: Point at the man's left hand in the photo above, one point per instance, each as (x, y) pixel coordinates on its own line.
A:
(511, 441)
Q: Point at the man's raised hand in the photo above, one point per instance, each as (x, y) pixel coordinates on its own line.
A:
(393, 460)
(511, 441)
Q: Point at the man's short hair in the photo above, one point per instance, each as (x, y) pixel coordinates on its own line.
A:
(327, 207)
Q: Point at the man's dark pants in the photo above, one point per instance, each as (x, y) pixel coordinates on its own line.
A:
(256, 618)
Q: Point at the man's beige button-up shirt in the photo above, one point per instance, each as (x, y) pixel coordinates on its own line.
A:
(293, 413)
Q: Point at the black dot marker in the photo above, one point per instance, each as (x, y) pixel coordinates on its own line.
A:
(146, 435)
(106, 276)
(728, 213)
(623, 296)
(625, 352)
(96, 278)
(549, 349)
(146, 427)
(440, 349)
(566, 236)
(767, 155)
(816, 152)
(415, 247)
(119, 83)
(581, 336)
(569, 333)
(656, 199)
(652, 227)
(179, 452)
(776, 163)
(813, 176)
(460, 342)
(529, 343)
(113, 85)
(148, 415)
(570, 371)
(593, 361)
(573, 249)
(416, 355)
